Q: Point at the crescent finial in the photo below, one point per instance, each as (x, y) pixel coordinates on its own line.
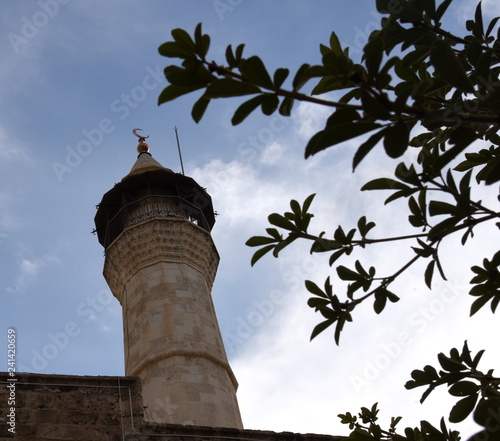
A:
(139, 136)
(142, 147)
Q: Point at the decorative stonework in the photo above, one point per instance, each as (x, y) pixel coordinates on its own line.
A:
(152, 207)
(152, 241)
(161, 207)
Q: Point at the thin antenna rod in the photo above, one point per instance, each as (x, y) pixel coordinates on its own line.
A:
(179, 148)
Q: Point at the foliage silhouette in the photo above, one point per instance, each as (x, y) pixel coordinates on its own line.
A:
(418, 86)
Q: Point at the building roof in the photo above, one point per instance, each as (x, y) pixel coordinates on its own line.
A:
(104, 408)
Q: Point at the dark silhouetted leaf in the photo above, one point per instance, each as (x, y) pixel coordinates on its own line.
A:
(227, 87)
(396, 139)
(384, 184)
(437, 208)
(463, 388)
(441, 9)
(347, 274)
(280, 76)
(336, 134)
(202, 41)
(449, 364)
(429, 273)
(172, 92)
(270, 104)
(373, 52)
(199, 108)
(320, 327)
(259, 253)
(478, 304)
(173, 49)
(335, 44)
(380, 301)
(230, 58)
(366, 147)
(463, 408)
(281, 222)
(257, 241)
(254, 70)
(374, 107)
(183, 38)
(460, 138)
(246, 109)
(314, 289)
(449, 67)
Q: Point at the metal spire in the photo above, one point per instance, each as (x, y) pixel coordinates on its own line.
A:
(179, 148)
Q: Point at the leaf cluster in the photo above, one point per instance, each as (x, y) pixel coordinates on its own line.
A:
(487, 284)
(412, 71)
(418, 87)
(365, 427)
(475, 389)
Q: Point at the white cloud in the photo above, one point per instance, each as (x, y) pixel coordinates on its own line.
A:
(491, 8)
(237, 190)
(10, 148)
(465, 10)
(310, 118)
(8, 222)
(374, 360)
(29, 270)
(273, 153)
(307, 384)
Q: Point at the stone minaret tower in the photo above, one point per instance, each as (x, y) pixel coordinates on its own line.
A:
(160, 263)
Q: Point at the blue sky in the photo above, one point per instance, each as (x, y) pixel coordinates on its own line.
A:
(77, 76)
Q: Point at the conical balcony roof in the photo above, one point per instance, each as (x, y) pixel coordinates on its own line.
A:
(149, 178)
(145, 162)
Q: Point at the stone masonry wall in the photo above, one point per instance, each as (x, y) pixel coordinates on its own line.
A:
(84, 408)
(63, 407)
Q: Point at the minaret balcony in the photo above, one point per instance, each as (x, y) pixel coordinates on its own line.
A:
(153, 207)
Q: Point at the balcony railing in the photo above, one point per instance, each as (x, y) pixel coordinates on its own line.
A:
(153, 207)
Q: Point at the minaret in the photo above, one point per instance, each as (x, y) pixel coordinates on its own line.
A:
(160, 263)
